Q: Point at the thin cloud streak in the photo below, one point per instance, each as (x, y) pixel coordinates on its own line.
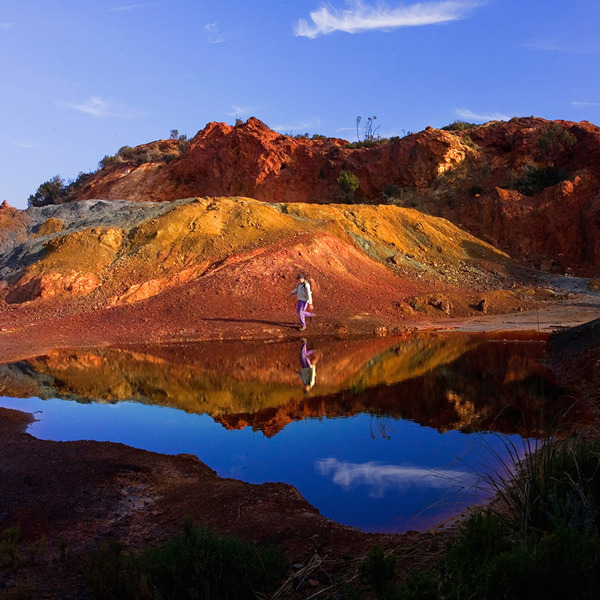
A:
(380, 478)
(99, 108)
(579, 104)
(553, 45)
(25, 144)
(131, 7)
(6, 25)
(483, 117)
(362, 17)
(240, 111)
(302, 126)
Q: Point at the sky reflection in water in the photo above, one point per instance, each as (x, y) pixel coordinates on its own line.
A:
(378, 472)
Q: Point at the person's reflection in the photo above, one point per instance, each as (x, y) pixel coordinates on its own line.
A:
(308, 371)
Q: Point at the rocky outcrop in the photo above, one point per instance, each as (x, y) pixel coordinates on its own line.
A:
(252, 160)
(215, 268)
(553, 225)
(13, 225)
(469, 176)
(558, 229)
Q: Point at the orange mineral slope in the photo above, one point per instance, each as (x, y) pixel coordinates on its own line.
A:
(223, 268)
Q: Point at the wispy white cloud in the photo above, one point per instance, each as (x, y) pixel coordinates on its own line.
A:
(6, 25)
(556, 45)
(380, 478)
(131, 7)
(492, 116)
(101, 108)
(360, 16)
(298, 126)
(240, 111)
(25, 144)
(581, 104)
(215, 34)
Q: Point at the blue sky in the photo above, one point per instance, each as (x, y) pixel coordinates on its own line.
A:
(81, 78)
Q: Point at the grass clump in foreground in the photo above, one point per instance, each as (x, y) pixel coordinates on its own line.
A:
(540, 540)
(197, 564)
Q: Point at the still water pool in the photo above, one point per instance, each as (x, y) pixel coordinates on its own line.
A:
(379, 434)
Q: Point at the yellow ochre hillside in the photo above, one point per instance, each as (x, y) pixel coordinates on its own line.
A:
(184, 267)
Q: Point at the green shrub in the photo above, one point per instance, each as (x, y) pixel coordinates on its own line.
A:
(367, 143)
(182, 146)
(348, 183)
(107, 161)
(541, 539)
(379, 572)
(420, 585)
(554, 141)
(9, 545)
(535, 180)
(390, 192)
(197, 564)
(557, 485)
(459, 126)
(52, 191)
(487, 562)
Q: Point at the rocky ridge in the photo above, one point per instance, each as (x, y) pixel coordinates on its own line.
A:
(529, 186)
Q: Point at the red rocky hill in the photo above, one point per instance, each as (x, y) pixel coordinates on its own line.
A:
(529, 186)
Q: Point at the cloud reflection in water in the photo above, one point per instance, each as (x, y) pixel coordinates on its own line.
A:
(380, 478)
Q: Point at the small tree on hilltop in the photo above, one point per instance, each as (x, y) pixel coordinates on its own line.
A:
(52, 191)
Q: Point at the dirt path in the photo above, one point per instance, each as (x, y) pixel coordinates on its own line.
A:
(550, 318)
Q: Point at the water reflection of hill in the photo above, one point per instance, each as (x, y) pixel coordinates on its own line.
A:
(446, 382)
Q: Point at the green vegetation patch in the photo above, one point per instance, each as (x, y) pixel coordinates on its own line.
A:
(535, 180)
(197, 564)
(460, 126)
(540, 540)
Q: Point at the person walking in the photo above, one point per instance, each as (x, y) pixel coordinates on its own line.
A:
(304, 294)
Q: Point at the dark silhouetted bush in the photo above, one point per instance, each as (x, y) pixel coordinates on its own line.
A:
(197, 564)
(542, 540)
(52, 191)
(460, 126)
(535, 180)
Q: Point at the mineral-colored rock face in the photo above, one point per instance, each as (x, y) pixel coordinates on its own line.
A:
(224, 268)
(559, 227)
(132, 259)
(470, 176)
(253, 160)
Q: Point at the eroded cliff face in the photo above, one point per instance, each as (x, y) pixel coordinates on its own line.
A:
(252, 160)
(532, 189)
(468, 176)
